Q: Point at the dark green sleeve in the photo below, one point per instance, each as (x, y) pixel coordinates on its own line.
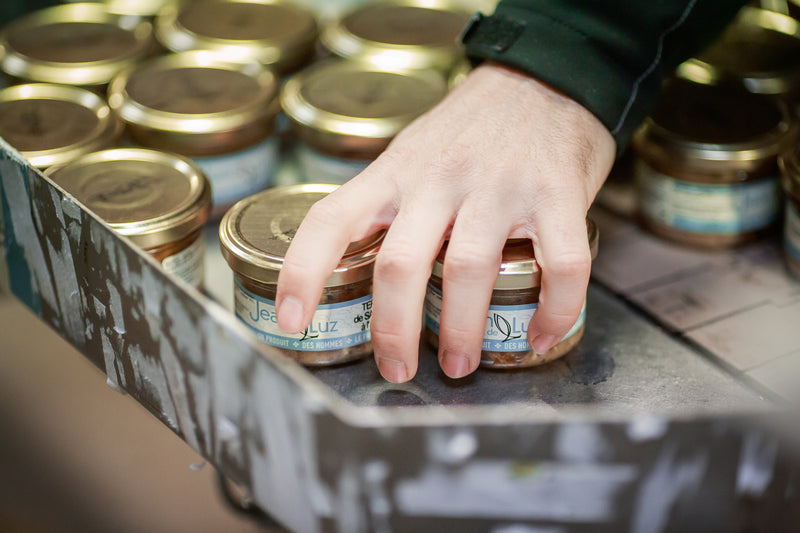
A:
(608, 55)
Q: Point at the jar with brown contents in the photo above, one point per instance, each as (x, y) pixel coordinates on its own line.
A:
(254, 237)
(400, 34)
(219, 113)
(79, 44)
(345, 114)
(706, 164)
(514, 301)
(53, 124)
(790, 170)
(758, 51)
(278, 34)
(159, 201)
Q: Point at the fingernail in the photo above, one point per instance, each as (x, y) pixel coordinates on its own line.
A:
(392, 369)
(290, 315)
(455, 365)
(542, 343)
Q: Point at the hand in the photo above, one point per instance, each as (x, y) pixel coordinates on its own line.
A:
(502, 156)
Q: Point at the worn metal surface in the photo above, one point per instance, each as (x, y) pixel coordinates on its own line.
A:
(578, 447)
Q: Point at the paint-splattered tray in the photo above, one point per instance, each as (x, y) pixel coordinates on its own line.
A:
(635, 430)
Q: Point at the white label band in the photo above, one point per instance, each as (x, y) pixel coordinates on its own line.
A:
(317, 167)
(333, 327)
(791, 231)
(239, 174)
(703, 208)
(506, 326)
(188, 264)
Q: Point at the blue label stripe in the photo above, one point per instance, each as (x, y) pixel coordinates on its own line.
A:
(311, 345)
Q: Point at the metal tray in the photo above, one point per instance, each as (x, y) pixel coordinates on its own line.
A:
(639, 429)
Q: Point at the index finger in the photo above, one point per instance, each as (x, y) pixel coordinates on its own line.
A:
(346, 215)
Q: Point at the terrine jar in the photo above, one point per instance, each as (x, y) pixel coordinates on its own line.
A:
(345, 114)
(790, 170)
(278, 34)
(400, 34)
(157, 200)
(254, 237)
(514, 301)
(53, 124)
(706, 164)
(73, 44)
(759, 50)
(220, 114)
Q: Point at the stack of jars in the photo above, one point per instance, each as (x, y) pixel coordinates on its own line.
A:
(710, 160)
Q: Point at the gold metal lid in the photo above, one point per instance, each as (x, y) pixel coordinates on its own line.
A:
(256, 232)
(53, 124)
(73, 44)
(708, 126)
(518, 268)
(400, 34)
(141, 8)
(151, 197)
(195, 95)
(355, 109)
(275, 33)
(760, 50)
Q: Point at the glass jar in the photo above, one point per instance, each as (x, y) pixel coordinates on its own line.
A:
(73, 44)
(706, 164)
(220, 114)
(759, 51)
(275, 33)
(514, 301)
(400, 34)
(157, 200)
(790, 170)
(254, 237)
(345, 114)
(53, 124)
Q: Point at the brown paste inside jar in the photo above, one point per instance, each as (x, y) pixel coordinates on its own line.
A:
(169, 249)
(330, 295)
(512, 360)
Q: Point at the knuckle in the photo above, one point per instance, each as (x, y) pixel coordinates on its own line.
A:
(327, 209)
(468, 262)
(397, 262)
(452, 161)
(569, 265)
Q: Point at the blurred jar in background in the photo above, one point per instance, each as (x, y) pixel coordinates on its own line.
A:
(73, 44)
(157, 200)
(759, 50)
(790, 170)
(344, 114)
(140, 8)
(400, 34)
(220, 114)
(706, 164)
(278, 34)
(54, 124)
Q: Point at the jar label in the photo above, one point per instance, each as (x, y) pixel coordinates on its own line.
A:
(333, 327)
(188, 263)
(703, 208)
(506, 325)
(240, 174)
(316, 167)
(791, 231)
